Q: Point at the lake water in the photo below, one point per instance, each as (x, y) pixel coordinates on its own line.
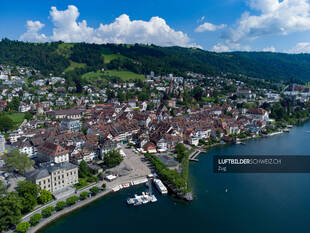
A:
(254, 203)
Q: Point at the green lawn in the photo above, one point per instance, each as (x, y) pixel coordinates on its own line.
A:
(124, 75)
(92, 76)
(74, 65)
(109, 57)
(17, 118)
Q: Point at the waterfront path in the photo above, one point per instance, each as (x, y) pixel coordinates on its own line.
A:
(76, 206)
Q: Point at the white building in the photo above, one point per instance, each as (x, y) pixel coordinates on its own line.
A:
(53, 153)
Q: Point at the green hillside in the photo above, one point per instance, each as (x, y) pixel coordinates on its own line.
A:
(127, 61)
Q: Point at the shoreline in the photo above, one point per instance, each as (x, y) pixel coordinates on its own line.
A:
(81, 204)
(66, 211)
(204, 149)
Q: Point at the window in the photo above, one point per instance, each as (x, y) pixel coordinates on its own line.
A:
(39, 182)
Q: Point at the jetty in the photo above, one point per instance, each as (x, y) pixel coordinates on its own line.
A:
(193, 156)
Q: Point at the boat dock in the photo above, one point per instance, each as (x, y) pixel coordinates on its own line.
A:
(193, 156)
(141, 199)
(145, 198)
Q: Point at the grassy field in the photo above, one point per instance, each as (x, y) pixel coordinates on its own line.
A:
(17, 117)
(64, 49)
(109, 57)
(74, 65)
(124, 75)
(92, 76)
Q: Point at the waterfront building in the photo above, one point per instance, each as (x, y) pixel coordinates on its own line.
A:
(54, 177)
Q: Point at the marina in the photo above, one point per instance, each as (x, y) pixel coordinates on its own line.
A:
(144, 198)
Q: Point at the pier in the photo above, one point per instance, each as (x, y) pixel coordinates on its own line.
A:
(193, 156)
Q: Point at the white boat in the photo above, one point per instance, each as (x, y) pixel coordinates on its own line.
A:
(160, 186)
(126, 185)
(141, 199)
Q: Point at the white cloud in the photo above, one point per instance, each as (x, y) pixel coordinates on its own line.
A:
(67, 29)
(269, 49)
(302, 47)
(230, 47)
(32, 32)
(275, 18)
(209, 27)
(220, 48)
(122, 30)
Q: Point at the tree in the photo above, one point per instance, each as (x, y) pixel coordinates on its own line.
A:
(6, 123)
(23, 227)
(45, 196)
(180, 149)
(18, 161)
(10, 210)
(60, 205)
(72, 200)
(112, 158)
(34, 219)
(14, 104)
(47, 211)
(28, 116)
(29, 194)
(3, 188)
(83, 195)
(94, 190)
(83, 169)
(197, 93)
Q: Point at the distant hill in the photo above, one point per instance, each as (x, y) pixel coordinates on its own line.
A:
(57, 57)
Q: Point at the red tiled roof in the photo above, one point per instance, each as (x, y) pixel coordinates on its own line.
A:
(52, 149)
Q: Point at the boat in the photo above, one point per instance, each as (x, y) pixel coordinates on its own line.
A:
(144, 198)
(160, 186)
(126, 185)
(286, 130)
(289, 126)
(238, 142)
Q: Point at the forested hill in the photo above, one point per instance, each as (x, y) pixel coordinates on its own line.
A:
(58, 57)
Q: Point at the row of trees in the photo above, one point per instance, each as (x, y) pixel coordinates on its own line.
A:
(23, 227)
(14, 204)
(168, 175)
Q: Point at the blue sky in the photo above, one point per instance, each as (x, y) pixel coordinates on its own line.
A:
(225, 25)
